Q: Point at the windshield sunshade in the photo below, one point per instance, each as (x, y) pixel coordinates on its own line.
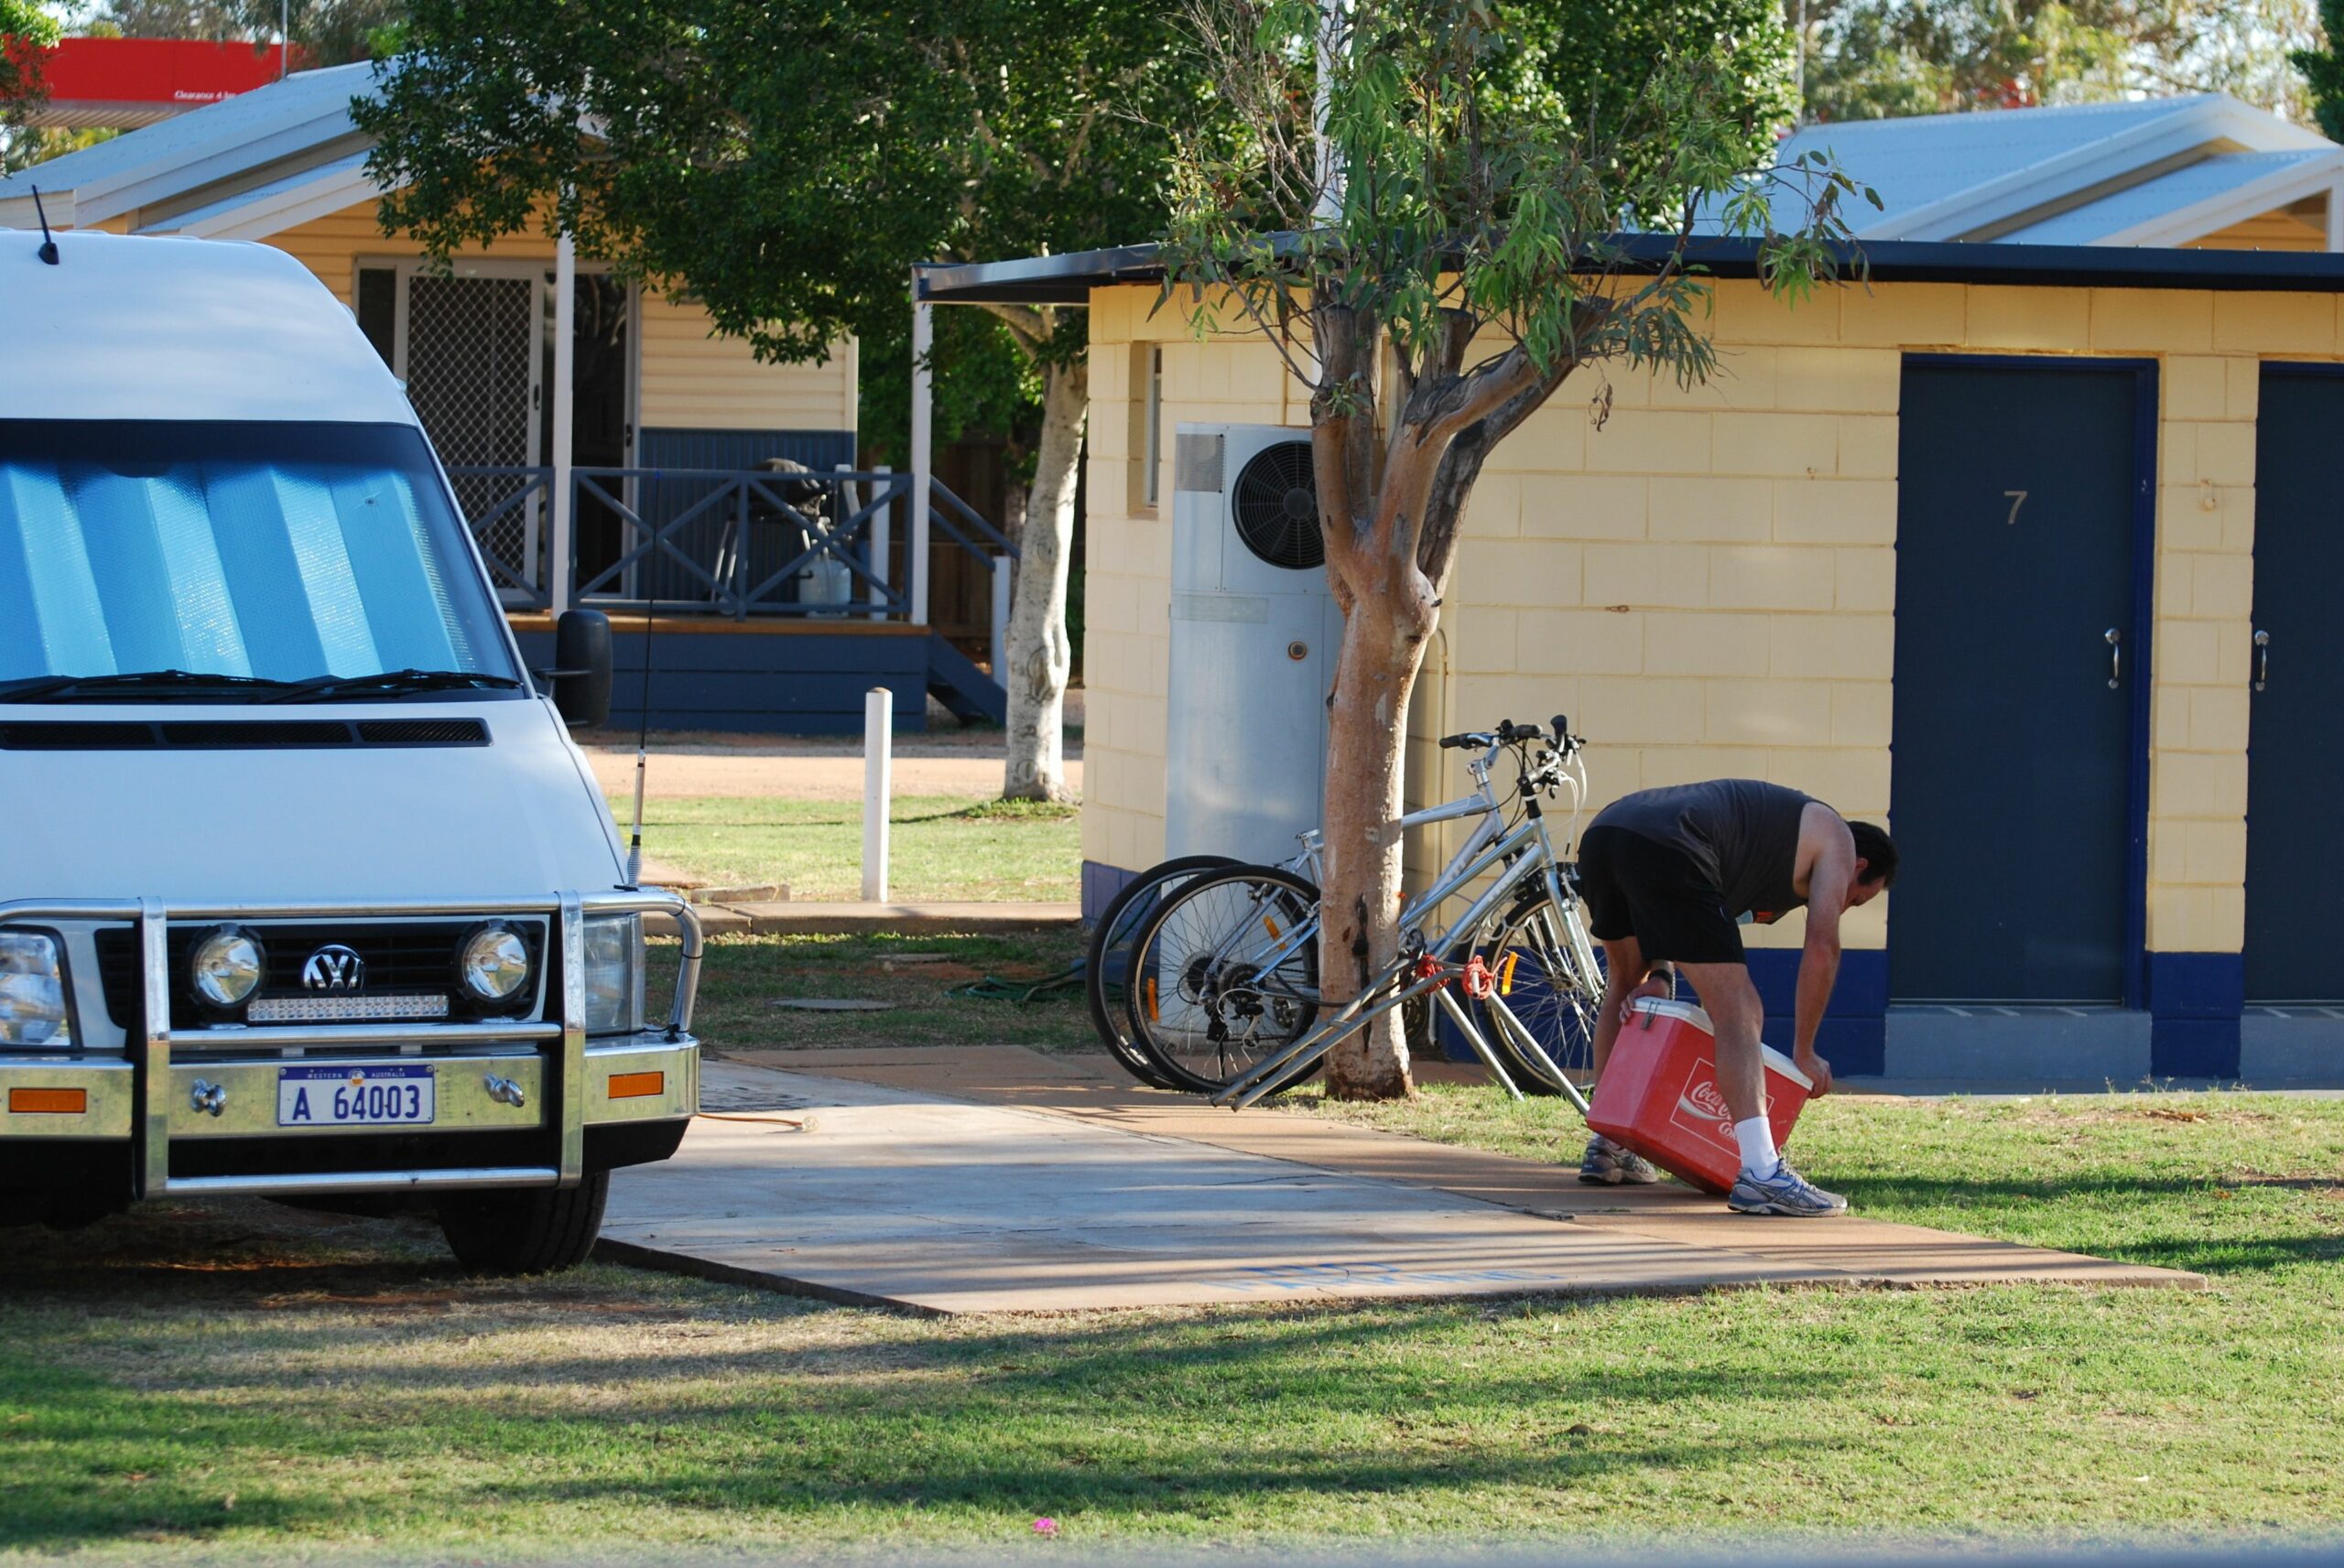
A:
(285, 552)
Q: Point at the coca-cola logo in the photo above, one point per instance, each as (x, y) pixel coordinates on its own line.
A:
(1701, 1108)
(1704, 1099)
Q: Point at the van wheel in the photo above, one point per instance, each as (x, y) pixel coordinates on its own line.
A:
(530, 1230)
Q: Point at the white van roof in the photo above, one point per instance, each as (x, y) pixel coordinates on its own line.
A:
(129, 328)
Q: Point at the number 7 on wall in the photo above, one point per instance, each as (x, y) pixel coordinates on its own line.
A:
(2017, 499)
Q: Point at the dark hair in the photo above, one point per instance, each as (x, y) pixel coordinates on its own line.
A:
(1877, 850)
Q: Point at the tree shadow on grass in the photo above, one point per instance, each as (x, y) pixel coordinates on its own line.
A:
(2014, 1208)
(121, 1465)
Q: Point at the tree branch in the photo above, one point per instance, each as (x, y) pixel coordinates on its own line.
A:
(1031, 327)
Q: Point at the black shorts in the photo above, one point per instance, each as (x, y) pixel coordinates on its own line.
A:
(1637, 887)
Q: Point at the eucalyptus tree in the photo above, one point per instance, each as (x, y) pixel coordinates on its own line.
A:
(1423, 213)
(1876, 59)
(787, 161)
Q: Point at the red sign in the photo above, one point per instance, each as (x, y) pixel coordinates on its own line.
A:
(129, 82)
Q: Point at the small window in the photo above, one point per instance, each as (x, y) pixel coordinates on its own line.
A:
(1153, 412)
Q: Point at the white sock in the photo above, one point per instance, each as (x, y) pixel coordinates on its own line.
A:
(1757, 1141)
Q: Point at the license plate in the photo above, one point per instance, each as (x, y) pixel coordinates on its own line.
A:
(354, 1097)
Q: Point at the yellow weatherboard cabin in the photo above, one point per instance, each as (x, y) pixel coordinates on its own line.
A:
(2015, 549)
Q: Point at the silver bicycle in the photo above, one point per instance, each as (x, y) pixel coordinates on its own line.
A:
(1225, 1001)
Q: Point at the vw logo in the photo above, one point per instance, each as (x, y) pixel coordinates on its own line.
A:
(333, 967)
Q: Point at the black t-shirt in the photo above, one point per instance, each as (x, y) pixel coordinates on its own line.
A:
(1741, 833)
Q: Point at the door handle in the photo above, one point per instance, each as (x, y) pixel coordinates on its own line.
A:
(2261, 660)
(2115, 657)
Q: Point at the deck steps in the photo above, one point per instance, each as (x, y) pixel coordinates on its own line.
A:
(956, 681)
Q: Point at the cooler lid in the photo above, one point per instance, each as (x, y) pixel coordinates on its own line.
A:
(1686, 1011)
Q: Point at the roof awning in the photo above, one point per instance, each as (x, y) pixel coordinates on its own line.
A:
(1069, 279)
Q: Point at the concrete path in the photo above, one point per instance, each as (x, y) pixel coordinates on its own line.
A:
(1030, 1185)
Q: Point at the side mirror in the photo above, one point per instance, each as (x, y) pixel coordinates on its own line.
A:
(581, 667)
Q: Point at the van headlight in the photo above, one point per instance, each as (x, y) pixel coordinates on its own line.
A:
(227, 966)
(32, 990)
(493, 965)
(614, 974)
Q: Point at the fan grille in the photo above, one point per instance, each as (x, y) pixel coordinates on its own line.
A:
(1275, 505)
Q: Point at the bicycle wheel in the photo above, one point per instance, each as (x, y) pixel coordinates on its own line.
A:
(1111, 956)
(1537, 973)
(1225, 975)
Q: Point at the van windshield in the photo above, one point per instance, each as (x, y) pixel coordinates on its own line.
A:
(199, 559)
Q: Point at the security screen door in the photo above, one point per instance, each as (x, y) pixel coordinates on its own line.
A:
(475, 377)
(2294, 670)
(2017, 668)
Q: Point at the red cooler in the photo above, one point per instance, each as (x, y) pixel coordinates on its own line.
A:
(1659, 1097)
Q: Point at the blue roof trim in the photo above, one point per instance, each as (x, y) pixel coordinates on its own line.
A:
(1067, 279)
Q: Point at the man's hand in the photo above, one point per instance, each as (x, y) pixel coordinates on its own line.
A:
(1817, 1068)
(1659, 983)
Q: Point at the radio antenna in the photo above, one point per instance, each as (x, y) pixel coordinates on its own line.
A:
(48, 250)
(641, 747)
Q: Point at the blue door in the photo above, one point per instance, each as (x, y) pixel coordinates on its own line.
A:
(2294, 845)
(2021, 681)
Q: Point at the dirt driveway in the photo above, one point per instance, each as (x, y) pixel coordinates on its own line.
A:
(946, 760)
(675, 774)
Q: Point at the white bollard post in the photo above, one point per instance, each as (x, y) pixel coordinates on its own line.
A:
(878, 767)
(1001, 565)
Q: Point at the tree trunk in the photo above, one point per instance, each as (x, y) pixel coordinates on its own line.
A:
(1361, 896)
(1036, 650)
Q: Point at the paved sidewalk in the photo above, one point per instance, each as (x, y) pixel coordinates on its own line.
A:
(996, 1179)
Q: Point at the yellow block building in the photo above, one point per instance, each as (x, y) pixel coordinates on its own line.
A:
(1995, 550)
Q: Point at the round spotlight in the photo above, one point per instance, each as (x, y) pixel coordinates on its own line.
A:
(494, 964)
(228, 966)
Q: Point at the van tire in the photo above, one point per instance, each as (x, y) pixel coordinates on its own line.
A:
(528, 1230)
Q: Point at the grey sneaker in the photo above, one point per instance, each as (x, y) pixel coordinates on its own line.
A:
(1784, 1192)
(1607, 1163)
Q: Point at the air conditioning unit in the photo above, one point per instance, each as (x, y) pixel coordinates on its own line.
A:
(1254, 634)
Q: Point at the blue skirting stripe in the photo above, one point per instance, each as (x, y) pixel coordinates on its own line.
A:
(1854, 1034)
(2195, 1002)
(1100, 883)
(809, 683)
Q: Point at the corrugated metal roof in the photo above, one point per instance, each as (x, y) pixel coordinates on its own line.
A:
(247, 119)
(2166, 196)
(1931, 158)
(2082, 174)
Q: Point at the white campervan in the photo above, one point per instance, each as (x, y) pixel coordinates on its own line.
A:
(304, 888)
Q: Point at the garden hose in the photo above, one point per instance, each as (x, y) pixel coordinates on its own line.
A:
(1020, 992)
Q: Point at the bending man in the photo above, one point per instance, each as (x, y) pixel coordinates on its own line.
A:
(1668, 875)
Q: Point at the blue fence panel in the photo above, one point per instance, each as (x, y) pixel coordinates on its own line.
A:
(674, 447)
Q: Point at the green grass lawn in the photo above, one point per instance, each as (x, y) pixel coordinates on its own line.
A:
(744, 977)
(941, 847)
(246, 1378)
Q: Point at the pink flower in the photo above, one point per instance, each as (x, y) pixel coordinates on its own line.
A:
(1047, 1529)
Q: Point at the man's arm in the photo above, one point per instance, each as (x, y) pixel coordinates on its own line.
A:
(1818, 966)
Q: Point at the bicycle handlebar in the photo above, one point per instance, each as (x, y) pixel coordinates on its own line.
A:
(1511, 733)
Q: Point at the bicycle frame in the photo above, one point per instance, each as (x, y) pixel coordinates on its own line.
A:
(1482, 802)
(1524, 850)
